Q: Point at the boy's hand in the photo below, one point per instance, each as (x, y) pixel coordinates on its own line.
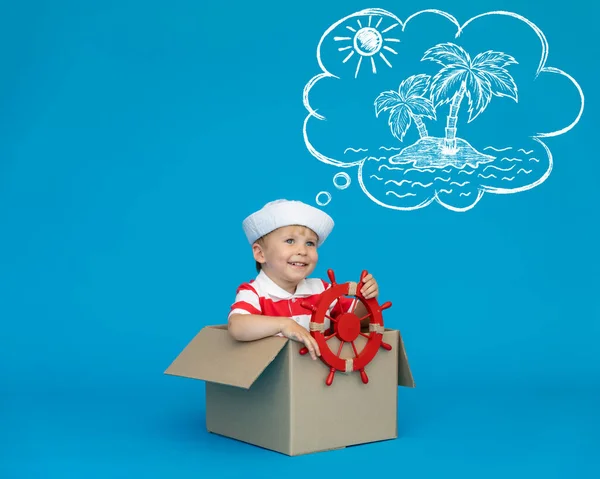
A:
(370, 288)
(291, 329)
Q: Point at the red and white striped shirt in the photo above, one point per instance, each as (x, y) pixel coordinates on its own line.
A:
(263, 296)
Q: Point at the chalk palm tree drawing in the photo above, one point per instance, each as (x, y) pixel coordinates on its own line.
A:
(480, 78)
(407, 104)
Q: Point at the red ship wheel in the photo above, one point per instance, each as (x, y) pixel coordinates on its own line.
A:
(346, 328)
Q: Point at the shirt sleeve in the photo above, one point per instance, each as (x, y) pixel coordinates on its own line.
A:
(246, 301)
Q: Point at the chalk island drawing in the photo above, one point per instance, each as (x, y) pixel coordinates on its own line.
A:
(445, 168)
(479, 79)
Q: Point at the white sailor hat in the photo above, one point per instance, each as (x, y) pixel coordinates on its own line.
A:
(283, 212)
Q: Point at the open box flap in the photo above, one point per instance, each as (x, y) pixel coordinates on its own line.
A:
(214, 356)
(405, 377)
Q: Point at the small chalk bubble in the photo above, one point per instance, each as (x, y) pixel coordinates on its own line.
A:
(346, 178)
(327, 198)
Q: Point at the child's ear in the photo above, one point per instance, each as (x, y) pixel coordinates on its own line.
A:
(257, 252)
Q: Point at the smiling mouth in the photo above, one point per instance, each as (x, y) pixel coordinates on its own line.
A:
(298, 265)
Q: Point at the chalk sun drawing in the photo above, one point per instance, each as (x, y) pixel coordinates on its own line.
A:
(367, 42)
(445, 168)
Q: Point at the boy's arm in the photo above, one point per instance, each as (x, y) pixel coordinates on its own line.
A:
(371, 290)
(361, 311)
(248, 327)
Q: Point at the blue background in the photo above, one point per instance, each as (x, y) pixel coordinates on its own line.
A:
(135, 136)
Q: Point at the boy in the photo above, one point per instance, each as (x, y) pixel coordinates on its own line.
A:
(284, 236)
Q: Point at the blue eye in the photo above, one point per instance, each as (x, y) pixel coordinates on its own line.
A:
(289, 240)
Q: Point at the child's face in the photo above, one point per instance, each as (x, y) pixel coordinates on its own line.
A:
(288, 254)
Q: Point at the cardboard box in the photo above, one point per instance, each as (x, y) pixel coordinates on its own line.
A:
(267, 394)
